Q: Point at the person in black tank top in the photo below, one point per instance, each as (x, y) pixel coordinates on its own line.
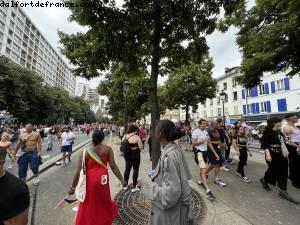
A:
(239, 143)
(133, 159)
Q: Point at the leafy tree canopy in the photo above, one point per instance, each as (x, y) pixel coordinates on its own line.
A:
(26, 97)
(269, 38)
(189, 85)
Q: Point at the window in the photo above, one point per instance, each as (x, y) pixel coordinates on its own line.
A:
(11, 24)
(22, 61)
(263, 106)
(225, 86)
(10, 32)
(16, 48)
(262, 89)
(248, 92)
(211, 101)
(236, 110)
(235, 96)
(234, 82)
(2, 14)
(280, 85)
(211, 113)
(219, 112)
(18, 40)
(2, 25)
(20, 23)
(14, 56)
(218, 100)
(18, 31)
(7, 51)
(249, 109)
(8, 41)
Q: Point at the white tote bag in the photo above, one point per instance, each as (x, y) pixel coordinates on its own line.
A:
(80, 190)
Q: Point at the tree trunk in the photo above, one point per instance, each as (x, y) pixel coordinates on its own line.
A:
(155, 146)
(187, 114)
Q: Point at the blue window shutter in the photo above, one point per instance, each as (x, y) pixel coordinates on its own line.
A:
(255, 91)
(243, 94)
(286, 84)
(273, 86)
(282, 105)
(251, 92)
(253, 108)
(267, 88)
(268, 106)
(257, 108)
(244, 109)
(279, 105)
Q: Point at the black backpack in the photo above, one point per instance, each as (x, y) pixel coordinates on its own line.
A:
(125, 148)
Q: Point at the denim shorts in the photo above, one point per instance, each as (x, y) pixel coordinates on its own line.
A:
(28, 158)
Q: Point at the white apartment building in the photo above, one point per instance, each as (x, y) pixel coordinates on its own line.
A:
(23, 43)
(213, 107)
(276, 96)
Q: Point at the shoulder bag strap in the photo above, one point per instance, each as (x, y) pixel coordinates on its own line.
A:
(83, 167)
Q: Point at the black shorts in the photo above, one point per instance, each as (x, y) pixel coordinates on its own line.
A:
(212, 158)
(204, 155)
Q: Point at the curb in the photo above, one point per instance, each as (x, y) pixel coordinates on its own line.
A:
(51, 162)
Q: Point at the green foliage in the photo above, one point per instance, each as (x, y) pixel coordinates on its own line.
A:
(189, 85)
(142, 33)
(269, 38)
(137, 95)
(26, 97)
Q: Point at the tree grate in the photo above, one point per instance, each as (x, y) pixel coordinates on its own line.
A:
(134, 208)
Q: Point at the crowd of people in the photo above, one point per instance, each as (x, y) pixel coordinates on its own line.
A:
(213, 144)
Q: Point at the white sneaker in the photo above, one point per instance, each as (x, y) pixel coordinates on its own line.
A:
(246, 179)
(125, 188)
(36, 180)
(135, 189)
(224, 168)
(220, 183)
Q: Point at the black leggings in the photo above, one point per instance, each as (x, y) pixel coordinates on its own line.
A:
(227, 152)
(133, 159)
(243, 161)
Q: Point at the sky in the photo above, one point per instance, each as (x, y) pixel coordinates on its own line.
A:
(223, 48)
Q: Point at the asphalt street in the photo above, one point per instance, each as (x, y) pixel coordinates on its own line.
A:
(250, 201)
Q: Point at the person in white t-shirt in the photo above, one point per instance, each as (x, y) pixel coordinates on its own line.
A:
(200, 142)
(66, 140)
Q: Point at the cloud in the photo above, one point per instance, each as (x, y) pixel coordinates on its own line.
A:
(224, 51)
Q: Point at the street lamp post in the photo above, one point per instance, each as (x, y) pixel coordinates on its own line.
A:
(223, 97)
(125, 90)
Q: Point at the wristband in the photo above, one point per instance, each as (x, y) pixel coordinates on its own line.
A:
(73, 188)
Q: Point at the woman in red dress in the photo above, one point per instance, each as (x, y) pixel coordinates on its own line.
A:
(98, 207)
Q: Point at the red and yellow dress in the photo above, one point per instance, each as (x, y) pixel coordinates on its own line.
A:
(98, 208)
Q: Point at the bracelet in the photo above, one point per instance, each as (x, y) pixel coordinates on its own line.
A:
(73, 188)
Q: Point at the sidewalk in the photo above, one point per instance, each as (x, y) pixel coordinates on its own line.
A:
(237, 204)
(217, 212)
